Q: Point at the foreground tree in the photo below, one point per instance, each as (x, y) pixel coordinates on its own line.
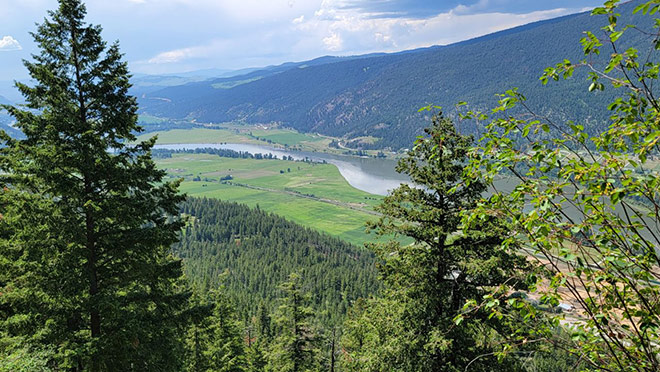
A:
(226, 352)
(588, 205)
(258, 338)
(294, 349)
(214, 341)
(87, 221)
(412, 327)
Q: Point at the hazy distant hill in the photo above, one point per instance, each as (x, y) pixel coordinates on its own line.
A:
(144, 85)
(4, 101)
(6, 120)
(380, 95)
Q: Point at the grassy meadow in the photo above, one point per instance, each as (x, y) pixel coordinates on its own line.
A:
(267, 135)
(312, 194)
(252, 134)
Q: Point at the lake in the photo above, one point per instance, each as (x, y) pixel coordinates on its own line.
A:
(375, 176)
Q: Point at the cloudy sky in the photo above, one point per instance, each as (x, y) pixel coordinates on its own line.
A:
(167, 36)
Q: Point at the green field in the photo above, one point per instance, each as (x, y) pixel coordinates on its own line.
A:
(198, 135)
(239, 134)
(149, 119)
(311, 194)
(287, 137)
(252, 134)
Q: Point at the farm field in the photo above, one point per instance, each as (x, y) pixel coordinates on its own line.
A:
(312, 194)
(247, 134)
(199, 135)
(260, 135)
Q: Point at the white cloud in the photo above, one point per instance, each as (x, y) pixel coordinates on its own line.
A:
(463, 9)
(333, 42)
(172, 56)
(213, 50)
(184, 35)
(183, 54)
(345, 30)
(299, 20)
(251, 10)
(9, 44)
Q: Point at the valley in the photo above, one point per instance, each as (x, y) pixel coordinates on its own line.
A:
(312, 194)
(319, 187)
(474, 202)
(259, 134)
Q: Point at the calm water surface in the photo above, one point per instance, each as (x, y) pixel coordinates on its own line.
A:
(375, 176)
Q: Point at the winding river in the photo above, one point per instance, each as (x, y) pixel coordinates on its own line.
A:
(375, 176)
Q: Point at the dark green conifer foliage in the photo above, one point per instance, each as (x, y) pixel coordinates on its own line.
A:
(294, 348)
(263, 323)
(198, 335)
(214, 341)
(258, 250)
(226, 352)
(412, 327)
(256, 356)
(87, 219)
(259, 335)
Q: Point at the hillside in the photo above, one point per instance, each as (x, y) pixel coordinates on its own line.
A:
(196, 85)
(380, 95)
(259, 250)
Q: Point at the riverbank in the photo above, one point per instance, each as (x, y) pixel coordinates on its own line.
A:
(261, 134)
(374, 176)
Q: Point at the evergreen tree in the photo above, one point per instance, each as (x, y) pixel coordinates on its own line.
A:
(226, 351)
(256, 356)
(412, 327)
(263, 323)
(260, 249)
(214, 342)
(87, 219)
(294, 347)
(199, 334)
(259, 337)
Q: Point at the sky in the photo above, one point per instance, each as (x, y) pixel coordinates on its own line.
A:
(170, 36)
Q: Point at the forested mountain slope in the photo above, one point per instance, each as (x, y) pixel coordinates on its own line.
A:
(144, 85)
(380, 95)
(259, 250)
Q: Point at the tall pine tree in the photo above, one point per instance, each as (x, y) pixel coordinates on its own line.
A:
(412, 327)
(226, 351)
(87, 219)
(294, 348)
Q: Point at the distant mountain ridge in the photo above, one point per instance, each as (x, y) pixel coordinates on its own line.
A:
(6, 120)
(4, 101)
(379, 95)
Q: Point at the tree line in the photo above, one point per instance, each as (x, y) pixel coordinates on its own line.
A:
(251, 252)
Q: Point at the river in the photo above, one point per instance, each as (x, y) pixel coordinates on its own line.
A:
(375, 176)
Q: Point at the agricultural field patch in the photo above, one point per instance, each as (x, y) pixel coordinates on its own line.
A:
(312, 194)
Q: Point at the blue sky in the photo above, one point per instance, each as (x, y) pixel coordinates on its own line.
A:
(169, 36)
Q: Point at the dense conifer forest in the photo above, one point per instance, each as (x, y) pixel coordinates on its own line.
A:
(252, 252)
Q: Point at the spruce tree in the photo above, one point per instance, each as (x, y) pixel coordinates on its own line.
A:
(199, 333)
(427, 283)
(259, 337)
(88, 220)
(294, 348)
(226, 349)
